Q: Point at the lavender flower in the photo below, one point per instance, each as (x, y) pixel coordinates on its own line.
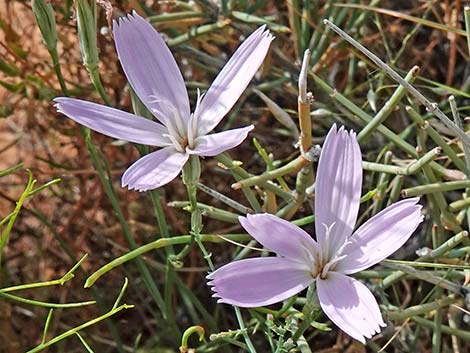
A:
(153, 74)
(338, 251)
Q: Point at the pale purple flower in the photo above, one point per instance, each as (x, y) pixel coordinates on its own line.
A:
(154, 75)
(337, 253)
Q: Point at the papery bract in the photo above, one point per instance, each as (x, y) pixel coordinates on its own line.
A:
(154, 75)
(337, 252)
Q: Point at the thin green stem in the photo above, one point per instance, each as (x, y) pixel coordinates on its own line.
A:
(240, 173)
(290, 167)
(11, 220)
(436, 137)
(435, 187)
(436, 253)
(68, 276)
(431, 107)
(58, 71)
(465, 335)
(207, 210)
(46, 325)
(74, 330)
(96, 80)
(45, 304)
(382, 183)
(421, 308)
(109, 190)
(157, 244)
(388, 107)
(241, 324)
(466, 12)
(199, 31)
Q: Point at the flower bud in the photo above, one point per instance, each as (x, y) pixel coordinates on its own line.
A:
(86, 23)
(45, 18)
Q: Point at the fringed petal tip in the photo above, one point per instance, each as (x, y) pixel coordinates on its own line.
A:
(257, 282)
(266, 33)
(338, 190)
(373, 331)
(136, 188)
(154, 170)
(381, 235)
(130, 17)
(357, 312)
(127, 184)
(342, 131)
(215, 293)
(414, 200)
(210, 276)
(58, 100)
(233, 79)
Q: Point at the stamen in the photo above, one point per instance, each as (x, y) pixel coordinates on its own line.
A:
(341, 248)
(337, 257)
(325, 246)
(195, 120)
(198, 101)
(192, 130)
(180, 130)
(175, 142)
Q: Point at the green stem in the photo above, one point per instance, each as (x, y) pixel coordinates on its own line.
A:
(430, 106)
(68, 276)
(157, 244)
(58, 71)
(388, 107)
(190, 331)
(426, 276)
(109, 190)
(44, 304)
(243, 330)
(207, 210)
(366, 118)
(243, 174)
(382, 183)
(466, 12)
(290, 167)
(74, 330)
(435, 187)
(96, 80)
(167, 17)
(444, 328)
(436, 137)
(12, 218)
(198, 31)
(436, 253)
(191, 174)
(437, 332)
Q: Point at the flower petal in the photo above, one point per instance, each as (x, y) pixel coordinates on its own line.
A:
(381, 236)
(233, 79)
(259, 281)
(214, 144)
(338, 188)
(350, 305)
(113, 122)
(150, 67)
(154, 169)
(282, 237)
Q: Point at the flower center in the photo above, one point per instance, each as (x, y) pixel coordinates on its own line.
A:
(181, 132)
(324, 261)
(185, 142)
